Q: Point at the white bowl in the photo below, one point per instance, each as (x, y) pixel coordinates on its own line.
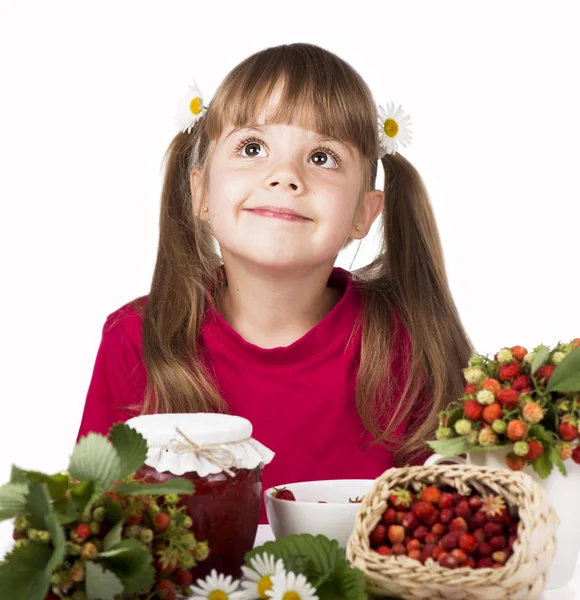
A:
(335, 519)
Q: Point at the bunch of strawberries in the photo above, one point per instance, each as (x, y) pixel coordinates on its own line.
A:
(447, 527)
(508, 400)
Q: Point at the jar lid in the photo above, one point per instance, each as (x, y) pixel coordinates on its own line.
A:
(203, 443)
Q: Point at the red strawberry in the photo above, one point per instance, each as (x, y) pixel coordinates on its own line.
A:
(576, 455)
(485, 563)
(536, 450)
(509, 371)
(446, 516)
(411, 521)
(434, 518)
(493, 529)
(400, 499)
(568, 432)
(413, 544)
(473, 410)
(519, 352)
(522, 383)
(389, 516)
(165, 569)
(467, 543)
(378, 535)
(498, 542)
(448, 560)
(421, 532)
(81, 533)
(484, 549)
(458, 524)
(438, 528)
(423, 510)
(470, 389)
(384, 550)
(415, 554)
(475, 503)
(398, 549)
(166, 589)
(161, 521)
(508, 398)
(479, 535)
(543, 374)
(431, 538)
(515, 462)
(463, 510)
(493, 385)
(516, 430)
(492, 412)
(283, 494)
(183, 578)
(459, 555)
(446, 500)
(432, 493)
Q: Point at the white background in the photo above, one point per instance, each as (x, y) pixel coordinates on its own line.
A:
(88, 95)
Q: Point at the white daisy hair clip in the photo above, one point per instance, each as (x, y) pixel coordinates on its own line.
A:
(190, 108)
(394, 129)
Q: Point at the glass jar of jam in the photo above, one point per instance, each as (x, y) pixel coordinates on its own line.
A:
(218, 455)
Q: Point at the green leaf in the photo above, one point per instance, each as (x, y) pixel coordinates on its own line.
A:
(101, 584)
(114, 510)
(457, 445)
(65, 511)
(132, 563)
(324, 555)
(57, 484)
(24, 572)
(113, 537)
(13, 499)
(95, 459)
(542, 353)
(566, 376)
(542, 466)
(557, 460)
(171, 486)
(454, 416)
(131, 447)
(347, 583)
(81, 494)
(41, 513)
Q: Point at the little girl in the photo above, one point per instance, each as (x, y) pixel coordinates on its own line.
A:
(341, 374)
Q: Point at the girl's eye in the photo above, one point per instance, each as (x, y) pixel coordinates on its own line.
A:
(250, 148)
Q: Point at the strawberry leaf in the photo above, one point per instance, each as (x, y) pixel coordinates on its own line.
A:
(542, 466)
(541, 355)
(566, 376)
(457, 445)
(13, 500)
(132, 563)
(101, 584)
(131, 447)
(113, 537)
(95, 459)
(24, 572)
(177, 485)
(57, 484)
(557, 460)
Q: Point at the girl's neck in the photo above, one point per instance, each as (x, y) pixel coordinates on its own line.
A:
(275, 311)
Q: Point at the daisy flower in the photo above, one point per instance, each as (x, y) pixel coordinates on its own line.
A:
(216, 587)
(189, 109)
(394, 129)
(259, 577)
(289, 586)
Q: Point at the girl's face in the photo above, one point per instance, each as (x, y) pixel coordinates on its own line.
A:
(286, 167)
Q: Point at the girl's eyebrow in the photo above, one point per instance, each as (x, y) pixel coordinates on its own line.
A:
(262, 129)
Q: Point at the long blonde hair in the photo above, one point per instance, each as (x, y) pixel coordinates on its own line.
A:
(407, 279)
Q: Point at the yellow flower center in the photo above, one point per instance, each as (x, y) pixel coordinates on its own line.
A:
(217, 595)
(391, 128)
(291, 596)
(264, 585)
(196, 105)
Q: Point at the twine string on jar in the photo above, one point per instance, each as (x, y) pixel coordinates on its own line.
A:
(207, 451)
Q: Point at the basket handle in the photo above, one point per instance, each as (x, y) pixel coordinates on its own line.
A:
(436, 459)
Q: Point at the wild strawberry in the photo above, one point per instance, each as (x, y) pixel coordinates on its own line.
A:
(378, 536)
(446, 500)
(568, 432)
(536, 449)
(161, 521)
(283, 494)
(492, 385)
(398, 549)
(444, 433)
(519, 352)
(498, 542)
(509, 371)
(81, 533)
(431, 538)
(448, 560)
(434, 518)
(485, 397)
(383, 550)
(475, 503)
(473, 410)
(515, 462)
(400, 499)
(521, 448)
(396, 534)
(470, 562)
(576, 455)
(463, 426)
(522, 384)
(467, 543)
(499, 556)
(543, 374)
(422, 509)
(165, 567)
(463, 510)
(485, 563)
(516, 430)
(492, 412)
(480, 535)
(533, 412)
(413, 544)
(400, 516)
(437, 552)
(487, 437)
(499, 426)
(458, 524)
(446, 516)
(421, 532)
(166, 589)
(508, 398)
(564, 450)
(89, 551)
(389, 516)
(493, 529)
(459, 555)
(470, 389)
(415, 554)
(438, 529)
(479, 519)
(431, 494)
(410, 521)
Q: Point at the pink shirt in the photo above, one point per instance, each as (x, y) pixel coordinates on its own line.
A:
(300, 398)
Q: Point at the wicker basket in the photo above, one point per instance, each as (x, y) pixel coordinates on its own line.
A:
(525, 572)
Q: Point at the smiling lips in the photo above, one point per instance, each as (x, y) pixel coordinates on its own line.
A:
(285, 214)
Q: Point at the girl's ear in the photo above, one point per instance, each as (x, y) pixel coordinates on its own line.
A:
(370, 210)
(196, 196)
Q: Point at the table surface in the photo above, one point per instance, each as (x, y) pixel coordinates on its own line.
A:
(265, 534)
